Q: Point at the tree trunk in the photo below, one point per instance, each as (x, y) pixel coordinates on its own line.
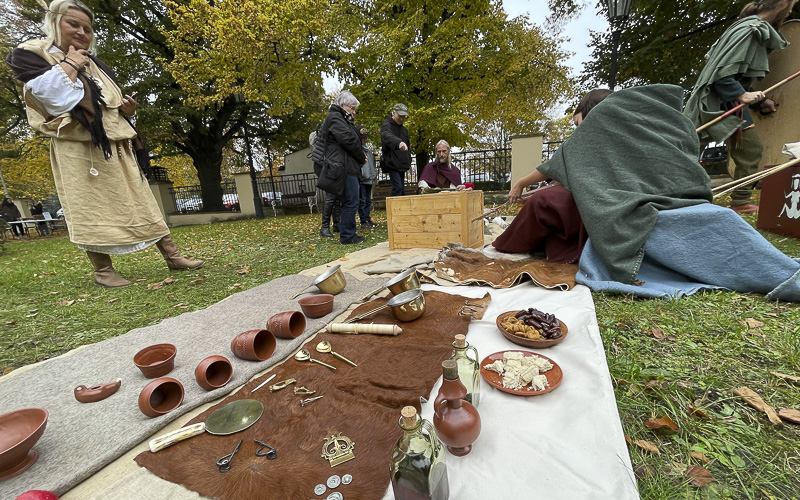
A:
(422, 159)
(210, 176)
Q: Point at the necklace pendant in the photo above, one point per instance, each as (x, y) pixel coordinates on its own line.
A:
(94, 172)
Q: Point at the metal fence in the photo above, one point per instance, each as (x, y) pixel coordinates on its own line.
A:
(291, 190)
(484, 167)
(548, 148)
(189, 199)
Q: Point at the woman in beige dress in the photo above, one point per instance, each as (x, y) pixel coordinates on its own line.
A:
(74, 98)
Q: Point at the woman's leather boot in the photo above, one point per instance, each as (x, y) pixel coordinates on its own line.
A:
(175, 261)
(104, 273)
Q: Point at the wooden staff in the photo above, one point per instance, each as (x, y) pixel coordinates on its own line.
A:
(740, 106)
(495, 210)
(731, 186)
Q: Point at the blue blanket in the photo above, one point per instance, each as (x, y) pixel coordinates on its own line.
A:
(701, 247)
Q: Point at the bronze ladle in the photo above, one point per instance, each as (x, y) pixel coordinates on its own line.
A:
(304, 355)
(325, 346)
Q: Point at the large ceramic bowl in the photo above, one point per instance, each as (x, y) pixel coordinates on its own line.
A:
(316, 306)
(19, 431)
(156, 360)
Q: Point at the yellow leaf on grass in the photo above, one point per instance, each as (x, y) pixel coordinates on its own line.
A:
(66, 302)
(697, 412)
(243, 270)
(753, 323)
(753, 399)
(7, 370)
(156, 286)
(700, 456)
(660, 423)
(656, 333)
(790, 415)
(170, 280)
(648, 446)
(113, 300)
(700, 476)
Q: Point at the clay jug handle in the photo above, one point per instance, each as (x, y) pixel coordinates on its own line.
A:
(437, 404)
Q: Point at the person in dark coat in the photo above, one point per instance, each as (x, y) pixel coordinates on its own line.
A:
(343, 147)
(10, 213)
(395, 154)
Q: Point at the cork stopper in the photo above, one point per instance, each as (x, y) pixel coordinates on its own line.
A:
(409, 417)
(461, 341)
(450, 369)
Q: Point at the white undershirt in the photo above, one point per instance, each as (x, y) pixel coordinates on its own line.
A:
(54, 90)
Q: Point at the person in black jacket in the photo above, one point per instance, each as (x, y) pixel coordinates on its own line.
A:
(395, 154)
(343, 146)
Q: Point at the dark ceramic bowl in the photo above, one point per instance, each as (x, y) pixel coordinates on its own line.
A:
(156, 360)
(19, 431)
(316, 306)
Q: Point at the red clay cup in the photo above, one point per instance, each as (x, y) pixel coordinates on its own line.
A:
(213, 372)
(156, 360)
(287, 325)
(254, 345)
(160, 396)
(316, 306)
(19, 431)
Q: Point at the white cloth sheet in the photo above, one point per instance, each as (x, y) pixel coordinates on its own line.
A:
(567, 444)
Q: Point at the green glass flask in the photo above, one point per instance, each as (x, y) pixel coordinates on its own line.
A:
(417, 463)
(468, 369)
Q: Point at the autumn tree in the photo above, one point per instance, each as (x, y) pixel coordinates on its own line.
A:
(460, 66)
(662, 42)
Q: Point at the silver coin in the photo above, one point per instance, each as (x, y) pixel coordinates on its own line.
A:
(335, 496)
(319, 489)
(347, 479)
(334, 481)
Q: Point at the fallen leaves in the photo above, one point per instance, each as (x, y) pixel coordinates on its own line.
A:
(700, 475)
(697, 412)
(785, 376)
(645, 445)
(656, 333)
(700, 456)
(243, 270)
(753, 323)
(160, 284)
(111, 301)
(661, 423)
(66, 302)
(790, 415)
(7, 370)
(753, 399)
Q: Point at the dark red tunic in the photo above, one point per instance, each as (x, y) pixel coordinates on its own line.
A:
(550, 222)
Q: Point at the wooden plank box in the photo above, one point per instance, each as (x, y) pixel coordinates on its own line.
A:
(433, 220)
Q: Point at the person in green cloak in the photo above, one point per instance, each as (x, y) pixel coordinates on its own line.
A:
(734, 62)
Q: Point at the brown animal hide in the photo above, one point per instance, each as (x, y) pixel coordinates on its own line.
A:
(466, 266)
(363, 403)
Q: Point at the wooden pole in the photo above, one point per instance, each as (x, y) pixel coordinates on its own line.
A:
(731, 186)
(740, 106)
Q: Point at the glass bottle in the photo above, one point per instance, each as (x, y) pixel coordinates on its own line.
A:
(468, 369)
(417, 463)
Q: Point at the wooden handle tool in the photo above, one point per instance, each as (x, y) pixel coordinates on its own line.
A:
(368, 328)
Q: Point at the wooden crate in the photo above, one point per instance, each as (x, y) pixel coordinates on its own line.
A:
(433, 220)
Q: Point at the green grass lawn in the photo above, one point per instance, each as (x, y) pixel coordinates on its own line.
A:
(666, 358)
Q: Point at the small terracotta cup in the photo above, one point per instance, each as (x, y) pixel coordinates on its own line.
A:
(316, 306)
(287, 325)
(213, 372)
(160, 396)
(254, 345)
(156, 360)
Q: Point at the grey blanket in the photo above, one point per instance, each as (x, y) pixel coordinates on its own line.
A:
(700, 248)
(82, 438)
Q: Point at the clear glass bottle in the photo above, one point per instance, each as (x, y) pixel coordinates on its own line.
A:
(417, 463)
(468, 369)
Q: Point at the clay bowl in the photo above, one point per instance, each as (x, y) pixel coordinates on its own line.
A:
(534, 344)
(254, 345)
(316, 306)
(156, 360)
(160, 396)
(288, 325)
(213, 372)
(19, 431)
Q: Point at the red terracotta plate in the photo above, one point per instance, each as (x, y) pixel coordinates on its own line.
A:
(533, 344)
(554, 375)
